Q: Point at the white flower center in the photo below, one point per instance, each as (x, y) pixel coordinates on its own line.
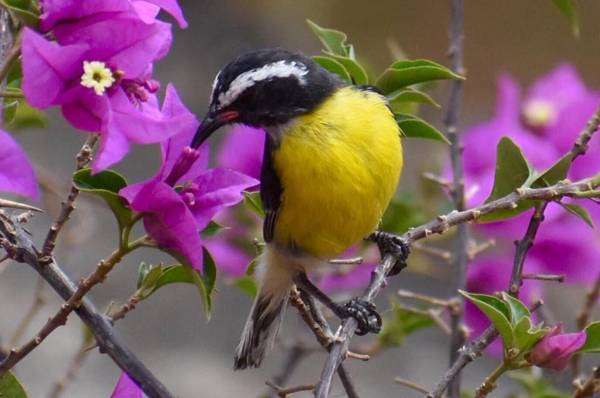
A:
(97, 75)
(539, 113)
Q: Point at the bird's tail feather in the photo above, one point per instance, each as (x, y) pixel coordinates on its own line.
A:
(267, 312)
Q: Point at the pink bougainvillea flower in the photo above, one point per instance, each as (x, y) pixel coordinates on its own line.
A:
(242, 150)
(16, 173)
(175, 217)
(99, 71)
(56, 12)
(489, 275)
(545, 123)
(554, 351)
(126, 388)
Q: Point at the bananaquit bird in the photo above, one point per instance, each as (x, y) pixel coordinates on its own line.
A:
(331, 164)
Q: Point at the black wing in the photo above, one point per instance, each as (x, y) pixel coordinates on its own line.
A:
(270, 190)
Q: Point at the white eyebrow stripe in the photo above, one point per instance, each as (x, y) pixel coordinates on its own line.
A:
(247, 79)
(214, 87)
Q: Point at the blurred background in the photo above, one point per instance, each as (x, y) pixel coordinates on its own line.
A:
(168, 331)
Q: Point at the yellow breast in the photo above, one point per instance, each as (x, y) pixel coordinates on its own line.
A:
(339, 166)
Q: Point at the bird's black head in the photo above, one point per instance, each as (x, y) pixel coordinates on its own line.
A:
(265, 88)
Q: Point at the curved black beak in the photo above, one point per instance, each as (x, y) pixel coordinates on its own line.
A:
(212, 123)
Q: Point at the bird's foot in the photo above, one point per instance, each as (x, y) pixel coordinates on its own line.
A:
(394, 245)
(369, 321)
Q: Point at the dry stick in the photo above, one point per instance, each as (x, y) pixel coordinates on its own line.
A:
(60, 318)
(560, 278)
(284, 392)
(590, 387)
(591, 298)
(410, 384)
(312, 316)
(83, 158)
(439, 226)
(471, 351)
(19, 245)
(457, 339)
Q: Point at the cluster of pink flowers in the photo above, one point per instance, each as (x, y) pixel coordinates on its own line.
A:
(545, 123)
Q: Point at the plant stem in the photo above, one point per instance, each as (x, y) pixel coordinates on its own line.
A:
(84, 157)
(60, 318)
(489, 384)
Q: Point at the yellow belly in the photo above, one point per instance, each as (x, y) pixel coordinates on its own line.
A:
(339, 167)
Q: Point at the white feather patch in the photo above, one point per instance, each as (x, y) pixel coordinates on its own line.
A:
(249, 78)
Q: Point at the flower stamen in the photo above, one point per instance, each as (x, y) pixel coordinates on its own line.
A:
(538, 113)
(97, 75)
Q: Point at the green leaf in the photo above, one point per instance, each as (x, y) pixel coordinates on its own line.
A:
(334, 67)
(497, 312)
(252, 199)
(212, 229)
(592, 342)
(247, 285)
(333, 40)
(151, 279)
(357, 72)
(527, 336)
(405, 73)
(105, 184)
(410, 95)
(512, 171)
(10, 387)
(143, 270)
(555, 173)
(569, 9)
(415, 127)
(22, 10)
(518, 310)
(20, 115)
(402, 323)
(578, 211)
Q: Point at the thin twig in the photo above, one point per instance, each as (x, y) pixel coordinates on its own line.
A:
(439, 226)
(38, 302)
(590, 386)
(560, 278)
(60, 318)
(471, 351)
(478, 248)
(84, 156)
(424, 298)
(18, 243)
(460, 256)
(313, 317)
(18, 205)
(433, 251)
(411, 385)
(591, 299)
(352, 260)
(523, 247)
(467, 354)
(284, 392)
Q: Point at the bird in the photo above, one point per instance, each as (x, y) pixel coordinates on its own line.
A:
(331, 165)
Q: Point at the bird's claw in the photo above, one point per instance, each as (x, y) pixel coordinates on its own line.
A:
(394, 245)
(369, 321)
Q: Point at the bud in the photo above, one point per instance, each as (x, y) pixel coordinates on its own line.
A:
(555, 349)
(182, 164)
